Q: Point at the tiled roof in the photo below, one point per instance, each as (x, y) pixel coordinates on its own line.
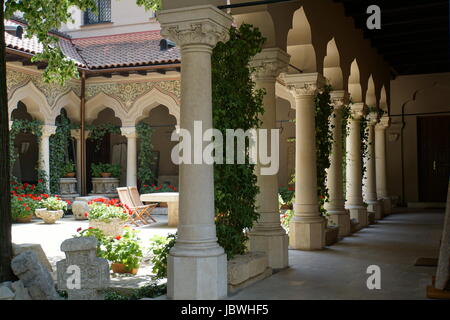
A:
(122, 50)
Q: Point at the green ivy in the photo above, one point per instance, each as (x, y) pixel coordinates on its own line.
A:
(346, 115)
(22, 126)
(364, 133)
(59, 146)
(236, 104)
(324, 143)
(97, 132)
(146, 158)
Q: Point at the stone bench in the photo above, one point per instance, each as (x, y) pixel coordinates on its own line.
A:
(80, 206)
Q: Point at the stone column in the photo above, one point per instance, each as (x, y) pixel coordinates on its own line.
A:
(370, 195)
(267, 234)
(44, 150)
(336, 204)
(76, 134)
(354, 167)
(130, 134)
(307, 228)
(380, 164)
(197, 265)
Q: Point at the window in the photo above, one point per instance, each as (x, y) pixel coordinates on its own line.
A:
(103, 14)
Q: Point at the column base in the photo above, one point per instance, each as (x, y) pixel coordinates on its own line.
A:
(197, 278)
(342, 219)
(360, 214)
(376, 207)
(307, 235)
(387, 206)
(274, 244)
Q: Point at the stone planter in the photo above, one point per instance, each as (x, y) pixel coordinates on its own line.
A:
(50, 216)
(244, 270)
(105, 186)
(120, 268)
(80, 206)
(112, 228)
(331, 235)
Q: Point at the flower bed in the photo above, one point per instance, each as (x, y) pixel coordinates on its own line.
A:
(108, 216)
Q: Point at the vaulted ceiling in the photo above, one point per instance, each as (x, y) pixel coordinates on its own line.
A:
(414, 35)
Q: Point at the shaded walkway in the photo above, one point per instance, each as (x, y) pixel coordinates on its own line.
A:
(339, 271)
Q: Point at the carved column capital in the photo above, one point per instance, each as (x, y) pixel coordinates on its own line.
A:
(129, 132)
(303, 85)
(76, 133)
(384, 123)
(48, 130)
(199, 25)
(373, 118)
(339, 98)
(357, 110)
(270, 63)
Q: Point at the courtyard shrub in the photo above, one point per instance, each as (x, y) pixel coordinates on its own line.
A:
(286, 195)
(159, 249)
(68, 167)
(237, 104)
(54, 203)
(99, 168)
(146, 156)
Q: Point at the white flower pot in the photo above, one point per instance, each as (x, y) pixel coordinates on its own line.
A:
(49, 216)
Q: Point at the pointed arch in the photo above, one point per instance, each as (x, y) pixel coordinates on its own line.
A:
(383, 104)
(300, 46)
(371, 99)
(332, 66)
(354, 82)
(102, 101)
(34, 99)
(150, 100)
(71, 103)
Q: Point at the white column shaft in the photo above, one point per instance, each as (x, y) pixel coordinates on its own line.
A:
(131, 162)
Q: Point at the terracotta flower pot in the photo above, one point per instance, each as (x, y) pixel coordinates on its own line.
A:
(25, 219)
(70, 175)
(120, 268)
(105, 174)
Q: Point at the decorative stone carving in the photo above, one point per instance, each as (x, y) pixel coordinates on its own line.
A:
(129, 132)
(68, 186)
(270, 63)
(304, 84)
(357, 110)
(384, 123)
(50, 216)
(93, 272)
(339, 98)
(34, 276)
(105, 186)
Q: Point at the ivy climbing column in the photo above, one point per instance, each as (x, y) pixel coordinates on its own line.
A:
(130, 134)
(336, 204)
(354, 167)
(267, 235)
(197, 265)
(380, 164)
(307, 228)
(370, 195)
(44, 150)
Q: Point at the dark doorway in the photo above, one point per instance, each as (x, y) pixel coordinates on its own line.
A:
(433, 137)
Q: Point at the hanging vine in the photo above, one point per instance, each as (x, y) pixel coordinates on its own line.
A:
(59, 146)
(346, 115)
(364, 133)
(22, 126)
(324, 143)
(146, 156)
(97, 132)
(236, 104)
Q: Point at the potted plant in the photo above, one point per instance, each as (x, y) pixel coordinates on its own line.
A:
(107, 215)
(54, 209)
(22, 208)
(105, 170)
(125, 253)
(68, 169)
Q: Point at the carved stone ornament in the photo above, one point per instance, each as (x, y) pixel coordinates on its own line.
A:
(270, 63)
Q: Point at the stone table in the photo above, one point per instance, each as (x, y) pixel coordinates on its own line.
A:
(171, 198)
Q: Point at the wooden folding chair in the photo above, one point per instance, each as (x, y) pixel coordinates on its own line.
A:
(145, 209)
(125, 199)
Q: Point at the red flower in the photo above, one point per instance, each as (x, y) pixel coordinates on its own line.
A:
(24, 204)
(27, 208)
(68, 202)
(86, 214)
(79, 229)
(40, 180)
(118, 238)
(90, 228)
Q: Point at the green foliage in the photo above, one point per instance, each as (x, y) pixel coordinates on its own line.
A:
(97, 132)
(146, 159)
(68, 167)
(236, 104)
(154, 5)
(286, 194)
(106, 210)
(346, 115)
(364, 145)
(286, 219)
(324, 143)
(102, 240)
(125, 249)
(22, 126)
(53, 204)
(159, 249)
(59, 146)
(151, 290)
(42, 17)
(98, 168)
